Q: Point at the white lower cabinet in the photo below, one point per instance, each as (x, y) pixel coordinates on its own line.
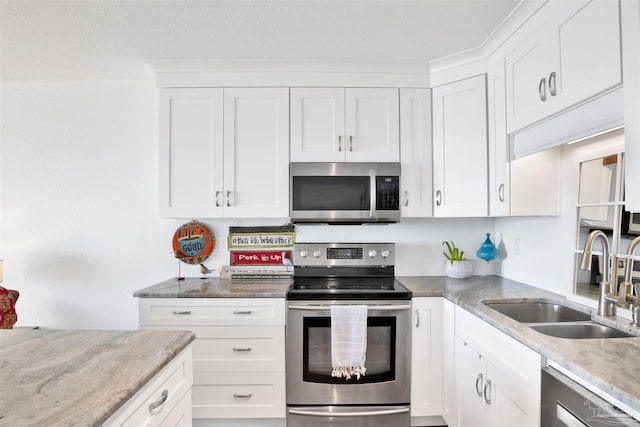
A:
(426, 357)
(164, 401)
(238, 354)
(497, 379)
(448, 362)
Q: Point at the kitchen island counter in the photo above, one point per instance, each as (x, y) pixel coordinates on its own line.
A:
(70, 377)
(608, 364)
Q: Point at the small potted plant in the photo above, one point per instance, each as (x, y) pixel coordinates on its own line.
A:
(457, 267)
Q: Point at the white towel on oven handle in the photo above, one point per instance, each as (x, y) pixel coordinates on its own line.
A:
(348, 340)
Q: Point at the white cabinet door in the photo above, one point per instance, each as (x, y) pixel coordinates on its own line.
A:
(416, 185)
(631, 45)
(569, 56)
(191, 140)
(470, 377)
(508, 403)
(460, 148)
(372, 125)
(499, 189)
(448, 363)
(317, 125)
(426, 357)
(528, 68)
(588, 39)
(256, 152)
(338, 124)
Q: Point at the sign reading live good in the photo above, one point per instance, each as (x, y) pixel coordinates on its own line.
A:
(193, 242)
(259, 257)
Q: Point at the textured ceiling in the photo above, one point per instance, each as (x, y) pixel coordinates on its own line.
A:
(78, 40)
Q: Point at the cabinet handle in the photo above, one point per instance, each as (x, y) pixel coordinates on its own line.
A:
(182, 313)
(487, 396)
(350, 142)
(228, 198)
(242, 396)
(438, 198)
(501, 193)
(163, 398)
(479, 385)
(339, 142)
(417, 319)
(238, 312)
(406, 198)
(218, 193)
(552, 84)
(241, 350)
(542, 89)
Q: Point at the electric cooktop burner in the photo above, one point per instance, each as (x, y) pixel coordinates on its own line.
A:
(345, 271)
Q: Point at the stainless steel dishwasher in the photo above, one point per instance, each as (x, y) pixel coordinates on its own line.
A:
(566, 403)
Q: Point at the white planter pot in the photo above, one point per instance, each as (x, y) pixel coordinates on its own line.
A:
(459, 269)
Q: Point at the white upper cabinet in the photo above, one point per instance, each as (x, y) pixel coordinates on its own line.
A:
(570, 52)
(499, 188)
(460, 149)
(338, 125)
(631, 44)
(416, 184)
(224, 152)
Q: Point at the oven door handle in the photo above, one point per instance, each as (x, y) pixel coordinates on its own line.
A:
(369, 307)
(348, 414)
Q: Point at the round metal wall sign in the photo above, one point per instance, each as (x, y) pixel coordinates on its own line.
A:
(193, 242)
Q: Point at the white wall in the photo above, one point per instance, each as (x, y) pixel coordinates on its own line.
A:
(79, 215)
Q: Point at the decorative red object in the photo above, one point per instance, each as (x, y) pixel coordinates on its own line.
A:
(193, 242)
(8, 315)
(258, 257)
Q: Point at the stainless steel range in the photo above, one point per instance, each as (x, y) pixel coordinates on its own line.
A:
(328, 274)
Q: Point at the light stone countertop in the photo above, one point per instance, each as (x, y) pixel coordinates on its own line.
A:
(214, 287)
(77, 378)
(609, 364)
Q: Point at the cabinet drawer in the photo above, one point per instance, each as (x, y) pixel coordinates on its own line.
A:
(212, 311)
(239, 349)
(166, 392)
(515, 360)
(225, 395)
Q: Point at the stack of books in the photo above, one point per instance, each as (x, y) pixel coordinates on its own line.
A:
(262, 252)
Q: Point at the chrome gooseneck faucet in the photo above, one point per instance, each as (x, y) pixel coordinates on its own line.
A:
(627, 284)
(607, 297)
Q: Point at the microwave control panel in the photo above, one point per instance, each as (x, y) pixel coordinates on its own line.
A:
(387, 193)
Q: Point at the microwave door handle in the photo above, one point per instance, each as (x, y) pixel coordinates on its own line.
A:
(372, 182)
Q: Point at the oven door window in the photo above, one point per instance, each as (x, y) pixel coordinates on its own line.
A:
(333, 193)
(380, 356)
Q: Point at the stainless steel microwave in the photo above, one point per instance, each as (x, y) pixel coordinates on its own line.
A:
(344, 192)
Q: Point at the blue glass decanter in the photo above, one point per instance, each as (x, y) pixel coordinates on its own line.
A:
(487, 250)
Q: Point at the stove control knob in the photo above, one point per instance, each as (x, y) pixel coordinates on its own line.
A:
(317, 253)
(384, 253)
(303, 253)
(372, 253)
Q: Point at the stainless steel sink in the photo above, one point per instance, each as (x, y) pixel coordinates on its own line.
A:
(539, 312)
(582, 330)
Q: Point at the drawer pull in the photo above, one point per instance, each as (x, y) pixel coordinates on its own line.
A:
(182, 313)
(242, 312)
(241, 349)
(242, 396)
(154, 405)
